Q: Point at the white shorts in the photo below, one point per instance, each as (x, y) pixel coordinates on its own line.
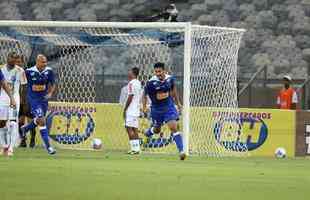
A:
(6, 112)
(132, 121)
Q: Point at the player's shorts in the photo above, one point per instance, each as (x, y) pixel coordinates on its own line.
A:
(38, 108)
(160, 118)
(132, 121)
(7, 113)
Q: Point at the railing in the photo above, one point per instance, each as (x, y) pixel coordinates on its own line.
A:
(248, 86)
(304, 94)
(246, 92)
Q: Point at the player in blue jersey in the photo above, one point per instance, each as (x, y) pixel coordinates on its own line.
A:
(41, 86)
(162, 92)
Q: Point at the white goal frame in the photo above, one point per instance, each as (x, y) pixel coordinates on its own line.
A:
(185, 27)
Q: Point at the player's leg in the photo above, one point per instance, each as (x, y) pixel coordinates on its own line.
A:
(171, 118)
(132, 124)
(3, 137)
(136, 139)
(32, 143)
(26, 128)
(21, 123)
(177, 137)
(3, 129)
(157, 121)
(13, 132)
(39, 114)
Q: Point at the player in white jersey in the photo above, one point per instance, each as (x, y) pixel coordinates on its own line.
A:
(15, 77)
(4, 85)
(132, 110)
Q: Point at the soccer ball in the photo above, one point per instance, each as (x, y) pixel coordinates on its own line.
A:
(96, 143)
(280, 152)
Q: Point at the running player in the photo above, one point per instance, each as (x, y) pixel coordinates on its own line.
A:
(162, 92)
(41, 86)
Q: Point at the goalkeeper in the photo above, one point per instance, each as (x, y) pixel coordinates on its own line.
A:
(162, 91)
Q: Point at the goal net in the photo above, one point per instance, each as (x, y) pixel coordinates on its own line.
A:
(91, 60)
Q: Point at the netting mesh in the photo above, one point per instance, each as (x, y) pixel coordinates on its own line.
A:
(8, 43)
(91, 65)
(215, 123)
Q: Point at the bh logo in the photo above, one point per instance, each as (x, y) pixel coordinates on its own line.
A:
(240, 135)
(72, 127)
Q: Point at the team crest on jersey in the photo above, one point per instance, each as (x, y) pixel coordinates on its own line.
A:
(32, 74)
(46, 73)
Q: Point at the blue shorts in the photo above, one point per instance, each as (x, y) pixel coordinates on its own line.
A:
(160, 118)
(38, 108)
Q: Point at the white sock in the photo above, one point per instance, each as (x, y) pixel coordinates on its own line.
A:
(3, 132)
(136, 145)
(8, 134)
(13, 133)
(131, 143)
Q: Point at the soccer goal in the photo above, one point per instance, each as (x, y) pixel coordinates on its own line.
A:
(91, 60)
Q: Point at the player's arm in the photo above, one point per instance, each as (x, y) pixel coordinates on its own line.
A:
(129, 98)
(23, 87)
(175, 96)
(50, 91)
(7, 89)
(128, 102)
(23, 93)
(51, 86)
(144, 99)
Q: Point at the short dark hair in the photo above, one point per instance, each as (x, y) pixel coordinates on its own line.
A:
(135, 71)
(159, 65)
(12, 54)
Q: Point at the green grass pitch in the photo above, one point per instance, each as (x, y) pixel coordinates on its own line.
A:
(74, 175)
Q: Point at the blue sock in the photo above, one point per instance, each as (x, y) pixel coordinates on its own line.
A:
(44, 135)
(29, 126)
(149, 132)
(178, 141)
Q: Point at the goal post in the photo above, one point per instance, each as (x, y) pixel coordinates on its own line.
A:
(91, 60)
(187, 85)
